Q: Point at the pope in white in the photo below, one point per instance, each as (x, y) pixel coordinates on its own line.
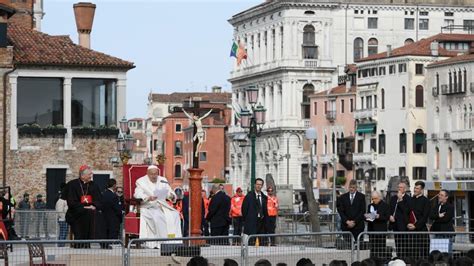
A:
(157, 218)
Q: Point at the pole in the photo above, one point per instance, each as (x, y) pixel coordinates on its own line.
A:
(253, 137)
(288, 160)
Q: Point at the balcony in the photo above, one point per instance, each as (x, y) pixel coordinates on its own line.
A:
(463, 173)
(451, 90)
(311, 63)
(306, 123)
(331, 115)
(366, 157)
(366, 114)
(462, 135)
(325, 158)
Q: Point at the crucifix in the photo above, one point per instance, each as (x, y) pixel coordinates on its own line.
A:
(198, 130)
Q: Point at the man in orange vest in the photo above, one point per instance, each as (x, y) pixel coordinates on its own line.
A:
(272, 206)
(236, 211)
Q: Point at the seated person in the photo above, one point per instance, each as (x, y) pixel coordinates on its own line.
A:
(157, 218)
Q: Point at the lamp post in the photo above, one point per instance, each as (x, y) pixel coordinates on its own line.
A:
(367, 186)
(334, 180)
(313, 204)
(253, 120)
(124, 142)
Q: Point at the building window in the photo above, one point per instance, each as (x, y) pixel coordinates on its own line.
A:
(93, 102)
(381, 71)
(436, 162)
(373, 46)
(310, 50)
(382, 143)
(403, 96)
(381, 173)
(178, 148)
(450, 158)
(177, 171)
(203, 156)
(419, 69)
(402, 68)
(391, 69)
(468, 24)
(448, 22)
(373, 145)
(281, 41)
(403, 142)
(358, 48)
(40, 101)
(409, 41)
(402, 171)
(360, 146)
(325, 107)
(383, 98)
(419, 173)
(315, 108)
(342, 106)
(372, 23)
(419, 101)
(419, 141)
(448, 14)
(273, 44)
(178, 128)
(424, 24)
(352, 105)
(324, 171)
(409, 23)
(308, 90)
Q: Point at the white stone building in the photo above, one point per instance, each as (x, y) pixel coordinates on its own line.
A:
(296, 48)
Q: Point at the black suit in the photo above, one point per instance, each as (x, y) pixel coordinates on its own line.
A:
(400, 211)
(254, 214)
(352, 212)
(420, 244)
(218, 215)
(444, 224)
(112, 213)
(380, 224)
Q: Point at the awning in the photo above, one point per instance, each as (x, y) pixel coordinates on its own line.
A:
(365, 128)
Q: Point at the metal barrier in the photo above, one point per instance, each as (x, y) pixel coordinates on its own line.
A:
(321, 247)
(62, 253)
(37, 223)
(180, 250)
(412, 245)
(293, 223)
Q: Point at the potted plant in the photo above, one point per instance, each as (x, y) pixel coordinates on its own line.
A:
(54, 130)
(29, 130)
(340, 180)
(107, 131)
(84, 131)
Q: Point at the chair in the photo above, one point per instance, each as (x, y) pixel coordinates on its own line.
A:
(4, 253)
(36, 251)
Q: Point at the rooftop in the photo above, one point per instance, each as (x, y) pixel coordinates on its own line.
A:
(179, 97)
(341, 89)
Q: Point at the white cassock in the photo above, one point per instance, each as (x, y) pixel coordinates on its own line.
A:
(157, 218)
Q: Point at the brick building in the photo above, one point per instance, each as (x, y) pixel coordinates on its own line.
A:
(178, 144)
(60, 102)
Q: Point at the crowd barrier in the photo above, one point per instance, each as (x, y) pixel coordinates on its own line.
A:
(412, 245)
(62, 253)
(37, 223)
(320, 247)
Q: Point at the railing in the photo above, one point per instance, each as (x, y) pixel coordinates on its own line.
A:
(307, 123)
(469, 29)
(365, 114)
(325, 158)
(37, 223)
(466, 134)
(463, 173)
(331, 115)
(312, 63)
(366, 157)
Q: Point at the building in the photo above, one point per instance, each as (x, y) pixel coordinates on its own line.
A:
(162, 105)
(297, 48)
(450, 157)
(392, 109)
(332, 114)
(51, 125)
(140, 153)
(178, 145)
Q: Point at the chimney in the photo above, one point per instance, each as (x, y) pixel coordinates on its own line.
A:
(389, 50)
(434, 48)
(84, 13)
(216, 89)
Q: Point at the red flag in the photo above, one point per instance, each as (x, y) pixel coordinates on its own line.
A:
(241, 54)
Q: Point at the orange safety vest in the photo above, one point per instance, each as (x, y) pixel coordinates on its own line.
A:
(206, 205)
(236, 206)
(272, 205)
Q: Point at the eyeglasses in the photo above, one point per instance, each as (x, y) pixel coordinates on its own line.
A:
(120, 192)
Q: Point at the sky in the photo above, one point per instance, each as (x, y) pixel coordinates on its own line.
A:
(176, 45)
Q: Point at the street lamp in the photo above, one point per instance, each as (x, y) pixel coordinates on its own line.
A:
(313, 204)
(124, 141)
(253, 120)
(334, 181)
(367, 186)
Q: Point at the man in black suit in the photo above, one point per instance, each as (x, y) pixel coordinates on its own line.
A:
(442, 215)
(399, 218)
(254, 212)
(112, 211)
(219, 210)
(419, 212)
(351, 208)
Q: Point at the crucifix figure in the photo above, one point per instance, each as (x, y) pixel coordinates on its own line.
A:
(199, 135)
(198, 130)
